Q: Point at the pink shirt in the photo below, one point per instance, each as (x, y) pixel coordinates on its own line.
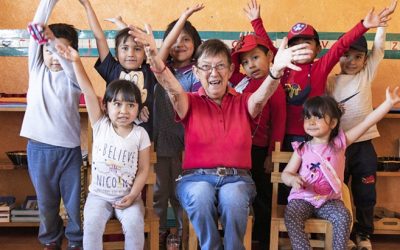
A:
(317, 189)
(217, 135)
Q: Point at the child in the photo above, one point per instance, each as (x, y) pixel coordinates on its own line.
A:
(311, 80)
(130, 64)
(357, 73)
(52, 126)
(316, 168)
(121, 159)
(254, 54)
(180, 42)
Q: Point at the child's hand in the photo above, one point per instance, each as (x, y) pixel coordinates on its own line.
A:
(68, 53)
(146, 38)
(125, 202)
(390, 10)
(84, 2)
(392, 96)
(252, 10)
(286, 57)
(297, 182)
(144, 114)
(373, 20)
(117, 21)
(189, 11)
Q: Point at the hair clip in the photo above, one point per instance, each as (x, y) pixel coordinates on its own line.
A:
(36, 31)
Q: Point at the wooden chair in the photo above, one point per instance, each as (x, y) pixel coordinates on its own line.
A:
(189, 237)
(277, 212)
(113, 229)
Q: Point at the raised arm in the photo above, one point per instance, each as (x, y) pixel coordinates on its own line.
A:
(42, 15)
(176, 30)
(252, 11)
(392, 98)
(176, 93)
(378, 48)
(283, 59)
(118, 22)
(92, 103)
(101, 40)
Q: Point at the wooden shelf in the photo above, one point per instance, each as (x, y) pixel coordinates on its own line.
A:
(19, 224)
(392, 116)
(22, 109)
(388, 174)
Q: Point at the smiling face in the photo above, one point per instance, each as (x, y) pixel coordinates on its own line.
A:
(319, 127)
(130, 54)
(50, 60)
(182, 50)
(214, 72)
(352, 62)
(256, 62)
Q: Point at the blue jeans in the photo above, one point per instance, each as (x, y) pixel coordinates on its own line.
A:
(205, 197)
(55, 174)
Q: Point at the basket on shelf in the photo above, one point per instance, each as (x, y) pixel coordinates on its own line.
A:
(18, 158)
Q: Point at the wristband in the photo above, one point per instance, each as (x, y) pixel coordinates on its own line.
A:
(272, 76)
(158, 72)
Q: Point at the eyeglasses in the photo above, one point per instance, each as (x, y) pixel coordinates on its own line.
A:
(208, 68)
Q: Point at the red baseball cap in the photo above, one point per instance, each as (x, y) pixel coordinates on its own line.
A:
(302, 30)
(246, 44)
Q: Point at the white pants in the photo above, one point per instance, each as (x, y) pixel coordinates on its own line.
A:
(98, 211)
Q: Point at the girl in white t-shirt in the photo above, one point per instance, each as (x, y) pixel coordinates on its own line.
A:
(121, 159)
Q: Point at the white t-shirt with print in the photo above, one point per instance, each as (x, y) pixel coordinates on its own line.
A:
(115, 159)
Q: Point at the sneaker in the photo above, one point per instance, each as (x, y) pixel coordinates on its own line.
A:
(74, 247)
(363, 242)
(51, 246)
(351, 245)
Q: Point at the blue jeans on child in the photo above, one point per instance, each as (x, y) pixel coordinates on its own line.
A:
(99, 210)
(55, 174)
(205, 197)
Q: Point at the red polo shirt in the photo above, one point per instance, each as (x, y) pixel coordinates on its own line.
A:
(217, 135)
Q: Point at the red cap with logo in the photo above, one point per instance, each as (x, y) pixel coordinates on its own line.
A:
(302, 30)
(247, 43)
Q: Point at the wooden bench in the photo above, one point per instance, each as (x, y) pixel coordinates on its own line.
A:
(277, 211)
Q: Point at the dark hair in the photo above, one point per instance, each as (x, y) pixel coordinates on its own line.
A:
(295, 39)
(190, 30)
(213, 47)
(320, 106)
(63, 30)
(66, 31)
(130, 92)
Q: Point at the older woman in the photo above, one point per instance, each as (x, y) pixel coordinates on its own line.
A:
(216, 179)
